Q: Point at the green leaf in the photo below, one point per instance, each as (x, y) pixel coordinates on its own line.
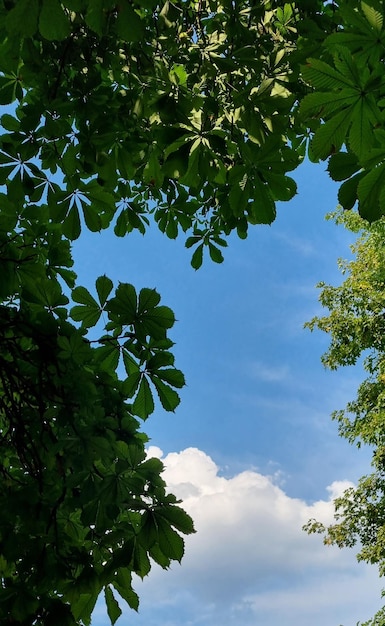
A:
(129, 25)
(82, 607)
(71, 224)
(148, 299)
(197, 257)
(281, 187)
(170, 542)
(141, 564)
(94, 17)
(374, 17)
(369, 189)
(347, 193)
(104, 287)
(143, 404)
(155, 322)
(261, 210)
(324, 77)
(158, 556)
(361, 136)
(171, 376)
(215, 254)
(123, 306)
(74, 348)
(53, 23)
(22, 19)
(168, 397)
(131, 383)
(130, 363)
(113, 609)
(152, 173)
(86, 315)
(178, 74)
(238, 199)
(177, 518)
(8, 122)
(330, 137)
(122, 584)
(342, 165)
(108, 355)
(89, 310)
(92, 218)
(83, 296)
(160, 359)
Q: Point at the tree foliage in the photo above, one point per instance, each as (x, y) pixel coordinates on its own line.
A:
(356, 325)
(189, 115)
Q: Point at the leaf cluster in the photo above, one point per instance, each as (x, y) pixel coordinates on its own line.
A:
(178, 113)
(348, 97)
(189, 115)
(356, 325)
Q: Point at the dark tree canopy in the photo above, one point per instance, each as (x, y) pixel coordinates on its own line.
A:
(120, 114)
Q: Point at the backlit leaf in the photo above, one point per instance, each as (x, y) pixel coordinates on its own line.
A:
(113, 609)
(143, 404)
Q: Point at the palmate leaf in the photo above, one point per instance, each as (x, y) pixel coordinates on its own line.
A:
(363, 34)
(88, 312)
(346, 104)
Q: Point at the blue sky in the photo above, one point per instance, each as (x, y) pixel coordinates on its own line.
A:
(251, 449)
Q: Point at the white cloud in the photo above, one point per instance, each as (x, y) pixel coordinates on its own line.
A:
(249, 562)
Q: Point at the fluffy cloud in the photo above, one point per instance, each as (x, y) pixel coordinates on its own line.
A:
(249, 562)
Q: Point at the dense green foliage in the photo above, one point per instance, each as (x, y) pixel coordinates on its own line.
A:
(356, 326)
(185, 114)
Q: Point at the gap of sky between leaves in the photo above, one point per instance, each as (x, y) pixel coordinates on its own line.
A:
(251, 449)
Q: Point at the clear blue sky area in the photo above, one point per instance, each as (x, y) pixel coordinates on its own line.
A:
(251, 448)
(257, 394)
